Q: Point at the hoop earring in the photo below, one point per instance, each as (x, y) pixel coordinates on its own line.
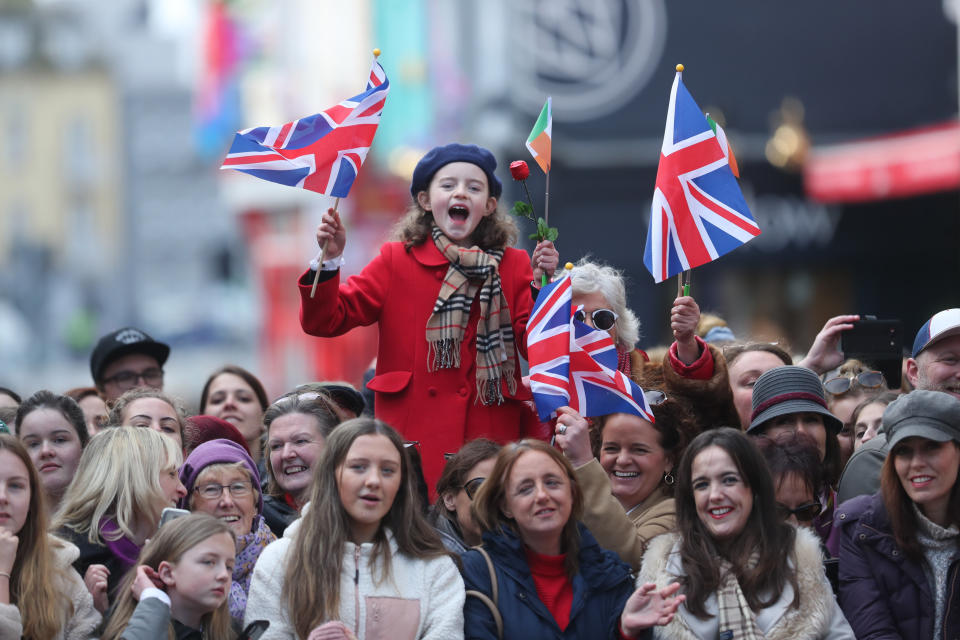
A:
(668, 479)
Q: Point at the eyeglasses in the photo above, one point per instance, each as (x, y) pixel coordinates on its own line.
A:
(472, 486)
(842, 384)
(213, 491)
(804, 513)
(603, 319)
(654, 397)
(152, 377)
(411, 443)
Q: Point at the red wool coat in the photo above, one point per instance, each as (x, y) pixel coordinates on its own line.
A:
(438, 408)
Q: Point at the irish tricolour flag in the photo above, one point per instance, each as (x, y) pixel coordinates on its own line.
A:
(539, 140)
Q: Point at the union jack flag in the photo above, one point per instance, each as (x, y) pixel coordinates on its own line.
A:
(698, 212)
(322, 152)
(574, 365)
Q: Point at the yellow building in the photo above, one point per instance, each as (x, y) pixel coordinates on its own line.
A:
(60, 166)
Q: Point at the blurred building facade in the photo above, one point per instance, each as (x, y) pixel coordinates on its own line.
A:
(110, 215)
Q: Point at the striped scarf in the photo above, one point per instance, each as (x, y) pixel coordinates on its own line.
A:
(472, 270)
(737, 620)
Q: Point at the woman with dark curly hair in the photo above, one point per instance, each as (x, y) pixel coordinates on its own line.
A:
(629, 484)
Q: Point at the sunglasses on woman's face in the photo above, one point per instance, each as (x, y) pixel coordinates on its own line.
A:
(805, 512)
(472, 486)
(842, 384)
(602, 319)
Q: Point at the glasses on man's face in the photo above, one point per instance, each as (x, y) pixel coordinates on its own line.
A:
(152, 377)
(602, 319)
(213, 491)
(472, 486)
(842, 384)
(805, 512)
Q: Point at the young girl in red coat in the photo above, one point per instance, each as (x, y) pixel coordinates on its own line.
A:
(452, 300)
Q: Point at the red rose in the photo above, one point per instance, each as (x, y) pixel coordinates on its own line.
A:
(519, 170)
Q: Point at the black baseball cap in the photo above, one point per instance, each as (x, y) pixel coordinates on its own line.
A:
(123, 342)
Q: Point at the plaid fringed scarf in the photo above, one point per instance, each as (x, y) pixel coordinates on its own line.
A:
(737, 621)
(472, 270)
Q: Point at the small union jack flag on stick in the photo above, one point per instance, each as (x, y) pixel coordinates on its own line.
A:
(698, 211)
(573, 365)
(322, 152)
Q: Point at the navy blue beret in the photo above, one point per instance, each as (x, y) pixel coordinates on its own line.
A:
(441, 156)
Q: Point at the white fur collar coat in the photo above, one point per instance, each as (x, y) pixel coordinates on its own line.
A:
(818, 615)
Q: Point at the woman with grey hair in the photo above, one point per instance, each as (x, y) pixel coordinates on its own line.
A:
(600, 288)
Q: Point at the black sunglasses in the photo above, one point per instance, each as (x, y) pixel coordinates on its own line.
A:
(471, 486)
(603, 319)
(842, 384)
(804, 513)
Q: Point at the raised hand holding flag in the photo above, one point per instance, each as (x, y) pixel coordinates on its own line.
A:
(698, 212)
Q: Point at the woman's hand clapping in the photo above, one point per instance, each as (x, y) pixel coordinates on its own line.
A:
(649, 606)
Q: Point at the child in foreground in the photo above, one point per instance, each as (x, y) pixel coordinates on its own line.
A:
(362, 562)
(180, 584)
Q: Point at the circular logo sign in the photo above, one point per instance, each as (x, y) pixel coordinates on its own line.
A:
(592, 56)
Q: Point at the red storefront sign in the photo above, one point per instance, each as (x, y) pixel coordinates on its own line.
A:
(911, 163)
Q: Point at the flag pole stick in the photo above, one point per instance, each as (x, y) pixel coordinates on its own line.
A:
(686, 285)
(546, 218)
(323, 256)
(680, 284)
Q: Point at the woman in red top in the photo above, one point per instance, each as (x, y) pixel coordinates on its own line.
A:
(553, 579)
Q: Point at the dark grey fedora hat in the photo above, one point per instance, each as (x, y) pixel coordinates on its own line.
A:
(934, 415)
(786, 390)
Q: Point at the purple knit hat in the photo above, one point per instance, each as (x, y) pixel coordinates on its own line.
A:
(219, 451)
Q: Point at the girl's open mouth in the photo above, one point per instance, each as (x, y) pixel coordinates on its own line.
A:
(458, 213)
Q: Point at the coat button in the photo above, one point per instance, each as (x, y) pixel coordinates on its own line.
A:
(432, 391)
(462, 392)
(843, 516)
(863, 536)
(895, 553)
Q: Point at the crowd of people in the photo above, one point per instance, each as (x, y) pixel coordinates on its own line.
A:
(766, 499)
